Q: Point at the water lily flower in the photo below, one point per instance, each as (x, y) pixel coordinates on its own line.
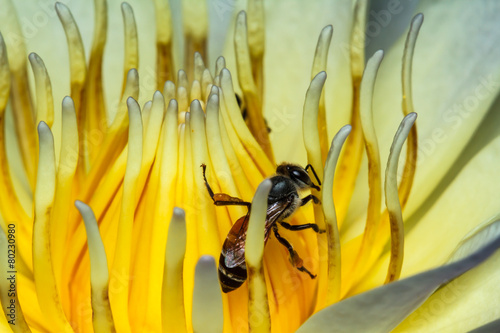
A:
(106, 221)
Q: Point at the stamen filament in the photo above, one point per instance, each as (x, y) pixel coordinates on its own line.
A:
(167, 155)
(256, 41)
(328, 206)
(131, 59)
(76, 52)
(146, 188)
(173, 310)
(199, 66)
(254, 252)
(251, 145)
(313, 149)
(372, 151)
(232, 142)
(220, 64)
(310, 123)
(102, 318)
(195, 24)
(20, 97)
(115, 138)
(392, 199)
(412, 142)
(319, 65)
(44, 101)
(48, 296)
(10, 205)
(251, 95)
(243, 184)
(68, 162)
(164, 58)
(350, 160)
(207, 298)
(205, 211)
(121, 264)
(93, 99)
(220, 162)
(168, 91)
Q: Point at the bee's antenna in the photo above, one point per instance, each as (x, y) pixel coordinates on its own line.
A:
(315, 175)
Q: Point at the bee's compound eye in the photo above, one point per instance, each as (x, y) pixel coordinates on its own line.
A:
(300, 175)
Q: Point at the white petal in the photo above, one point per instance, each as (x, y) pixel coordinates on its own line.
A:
(465, 303)
(381, 309)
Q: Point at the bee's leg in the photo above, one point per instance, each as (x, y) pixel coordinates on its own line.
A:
(313, 226)
(314, 172)
(295, 259)
(308, 198)
(222, 199)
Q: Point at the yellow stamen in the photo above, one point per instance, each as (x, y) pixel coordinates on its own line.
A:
(220, 161)
(253, 102)
(22, 108)
(131, 59)
(205, 217)
(207, 300)
(191, 206)
(332, 231)
(77, 62)
(232, 142)
(9, 202)
(93, 99)
(220, 64)
(313, 148)
(243, 185)
(143, 224)
(319, 65)
(206, 84)
(48, 296)
(310, 123)
(164, 58)
(350, 160)
(195, 24)
(256, 41)
(196, 92)
(372, 151)
(251, 144)
(115, 138)
(168, 91)
(166, 162)
(254, 252)
(44, 101)
(392, 199)
(412, 142)
(199, 66)
(102, 318)
(68, 162)
(121, 263)
(173, 311)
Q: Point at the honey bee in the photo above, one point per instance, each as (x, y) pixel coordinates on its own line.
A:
(282, 202)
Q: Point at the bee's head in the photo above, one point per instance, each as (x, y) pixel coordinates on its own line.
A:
(297, 174)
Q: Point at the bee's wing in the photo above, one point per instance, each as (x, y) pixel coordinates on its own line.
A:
(234, 246)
